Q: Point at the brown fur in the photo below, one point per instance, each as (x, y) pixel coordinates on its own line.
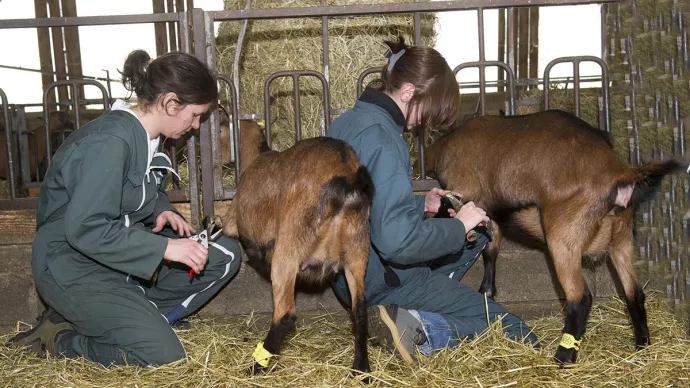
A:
(292, 219)
(554, 178)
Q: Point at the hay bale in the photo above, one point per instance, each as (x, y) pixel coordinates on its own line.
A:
(4, 189)
(355, 44)
(320, 353)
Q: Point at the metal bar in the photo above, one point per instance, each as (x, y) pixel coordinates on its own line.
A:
(183, 31)
(178, 195)
(482, 59)
(604, 43)
(236, 126)
(20, 145)
(214, 119)
(501, 45)
(324, 44)
(72, 21)
(576, 86)
(424, 184)
(199, 32)
(576, 62)
(8, 144)
(172, 36)
(502, 65)
(417, 29)
(362, 76)
(59, 51)
(295, 103)
(77, 115)
(326, 61)
(295, 73)
(389, 8)
(44, 51)
(511, 38)
(74, 84)
(160, 33)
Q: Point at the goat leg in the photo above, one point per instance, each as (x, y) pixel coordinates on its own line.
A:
(489, 254)
(283, 275)
(453, 201)
(579, 300)
(621, 253)
(354, 274)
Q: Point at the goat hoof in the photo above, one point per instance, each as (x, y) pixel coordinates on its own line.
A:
(358, 371)
(489, 292)
(255, 369)
(565, 356)
(641, 343)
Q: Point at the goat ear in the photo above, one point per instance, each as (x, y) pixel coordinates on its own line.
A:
(624, 194)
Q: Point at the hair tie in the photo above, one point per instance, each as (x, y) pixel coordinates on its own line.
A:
(392, 58)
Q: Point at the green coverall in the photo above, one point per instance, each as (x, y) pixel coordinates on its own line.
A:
(94, 253)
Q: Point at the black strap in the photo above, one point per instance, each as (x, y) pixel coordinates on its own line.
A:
(389, 276)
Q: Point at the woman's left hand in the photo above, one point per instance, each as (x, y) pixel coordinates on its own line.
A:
(176, 222)
(433, 201)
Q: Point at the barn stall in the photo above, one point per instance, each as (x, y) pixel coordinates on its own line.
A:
(330, 50)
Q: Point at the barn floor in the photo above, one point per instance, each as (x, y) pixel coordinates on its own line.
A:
(320, 353)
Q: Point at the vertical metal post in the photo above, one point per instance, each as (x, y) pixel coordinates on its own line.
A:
(365, 73)
(73, 83)
(21, 133)
(576, 63)
(295, 74)
(501, 47)
(511, 38)
(326, 62)
(199, 31)
(235, 132)
(576, 86)
(8, 142)
(183, 46)
(183, 31)
(214, 121)
(417, 29)
(296, 105)
(482, 58)
(76, 106)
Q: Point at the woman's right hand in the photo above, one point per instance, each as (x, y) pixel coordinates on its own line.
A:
(470, 215)
(188, 252)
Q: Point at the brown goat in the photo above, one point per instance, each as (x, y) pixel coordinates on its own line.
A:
(304, 214)
(556, 180)
(59, 120)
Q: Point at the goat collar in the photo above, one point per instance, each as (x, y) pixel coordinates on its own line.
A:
(382, 100)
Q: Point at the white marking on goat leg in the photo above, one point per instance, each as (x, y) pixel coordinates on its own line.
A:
(624, 194)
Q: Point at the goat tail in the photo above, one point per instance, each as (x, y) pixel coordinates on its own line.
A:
(643, 182)
(343, 193)
(363, 184)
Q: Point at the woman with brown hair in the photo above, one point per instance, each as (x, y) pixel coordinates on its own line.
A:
(415, 263)
(105, 226)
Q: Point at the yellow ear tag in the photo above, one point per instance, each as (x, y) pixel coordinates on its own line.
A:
(569, 342)
(261, 355)
(261, 123)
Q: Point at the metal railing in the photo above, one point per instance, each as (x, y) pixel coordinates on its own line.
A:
(196, 36)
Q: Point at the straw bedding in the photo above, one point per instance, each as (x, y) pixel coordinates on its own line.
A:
(320, 351)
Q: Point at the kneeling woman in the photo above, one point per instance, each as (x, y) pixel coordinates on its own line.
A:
(105, 225)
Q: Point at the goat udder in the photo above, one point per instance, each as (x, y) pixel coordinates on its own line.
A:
(623, 196)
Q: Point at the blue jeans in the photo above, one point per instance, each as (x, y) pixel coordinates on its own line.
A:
(439, 333)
